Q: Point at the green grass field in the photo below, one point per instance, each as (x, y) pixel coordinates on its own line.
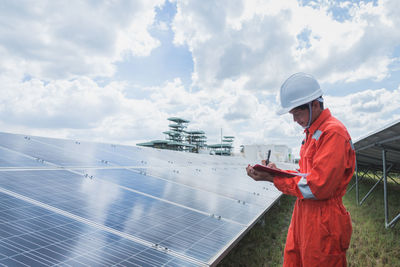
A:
(371, 244)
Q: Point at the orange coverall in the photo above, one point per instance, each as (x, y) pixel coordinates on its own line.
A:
(320, 229)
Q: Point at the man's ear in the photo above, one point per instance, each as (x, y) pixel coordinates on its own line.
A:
(315, 104)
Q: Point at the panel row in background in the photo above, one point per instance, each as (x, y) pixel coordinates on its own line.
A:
(71, 153)
(222, 176)
(184, 206)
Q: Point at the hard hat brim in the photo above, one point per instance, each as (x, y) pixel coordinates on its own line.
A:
(282, 111)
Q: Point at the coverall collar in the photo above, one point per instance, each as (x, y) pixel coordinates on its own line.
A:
(325, 114)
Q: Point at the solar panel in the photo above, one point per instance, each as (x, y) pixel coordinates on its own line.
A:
(32, 235)
(369, 148)
(66, 202)
(379, 152)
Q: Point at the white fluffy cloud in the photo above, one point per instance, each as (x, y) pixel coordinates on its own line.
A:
(78, 109)
(64, 39)
(263, 42)
(268, 40)
(59, 104)
(366, 111)
(52, 54)
(58, 60)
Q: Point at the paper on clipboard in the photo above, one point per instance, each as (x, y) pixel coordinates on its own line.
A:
(277, 172)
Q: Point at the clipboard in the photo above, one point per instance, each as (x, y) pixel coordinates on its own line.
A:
(277, 172)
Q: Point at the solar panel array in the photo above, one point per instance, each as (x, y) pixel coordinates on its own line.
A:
(369, 148)
(72, 203)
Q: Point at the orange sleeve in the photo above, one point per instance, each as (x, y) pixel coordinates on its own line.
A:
(331, 162)
(327, 175)
(288, 186)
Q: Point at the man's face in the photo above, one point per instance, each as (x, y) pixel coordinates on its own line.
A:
(301, 116)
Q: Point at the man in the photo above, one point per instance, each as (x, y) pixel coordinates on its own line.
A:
(320, 229)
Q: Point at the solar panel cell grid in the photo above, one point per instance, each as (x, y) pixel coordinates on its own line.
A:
(63, 240)
(70, 203)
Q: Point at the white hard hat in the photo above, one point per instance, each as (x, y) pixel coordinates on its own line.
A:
(297, 90)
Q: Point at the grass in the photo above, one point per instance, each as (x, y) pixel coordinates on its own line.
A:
(371, 244)
(263, 245)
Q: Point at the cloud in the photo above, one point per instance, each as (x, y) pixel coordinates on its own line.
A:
(361, 112)
(58, 63)
(224, 51)
(243, 107)
(62, 40)
(59, 104)
(367, 110)
(267, 41)
(80, 109)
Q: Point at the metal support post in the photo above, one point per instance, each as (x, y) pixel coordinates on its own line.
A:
(385, 187)
(392, 179)
(370, 191)
(375, 185)
(358, 179)
(357, 196)
(393, 222)
(385, 193)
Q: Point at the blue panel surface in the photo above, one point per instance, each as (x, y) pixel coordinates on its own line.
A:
(199, 200)
(34, 236)
(106, 154)
(107, 204)
(222, 180)
(75, 203)
(48, 153)
(12, 159)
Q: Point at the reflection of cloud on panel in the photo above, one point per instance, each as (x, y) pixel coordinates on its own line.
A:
(99, 196)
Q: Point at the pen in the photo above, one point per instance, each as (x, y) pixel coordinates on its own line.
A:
(267, 160)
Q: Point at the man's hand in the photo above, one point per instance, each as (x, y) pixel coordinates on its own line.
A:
(270, 164)
(260, 176)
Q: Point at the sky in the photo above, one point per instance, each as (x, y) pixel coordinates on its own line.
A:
(114, 71)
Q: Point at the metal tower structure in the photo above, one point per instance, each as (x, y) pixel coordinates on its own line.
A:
(224, 148)
(177, 138)
(196, 138)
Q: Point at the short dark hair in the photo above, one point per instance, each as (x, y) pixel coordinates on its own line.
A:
(305, 106)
